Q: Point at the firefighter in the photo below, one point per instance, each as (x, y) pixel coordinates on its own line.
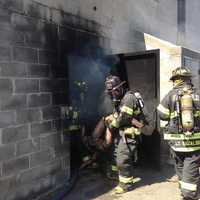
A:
(181, 109)
(124, 133)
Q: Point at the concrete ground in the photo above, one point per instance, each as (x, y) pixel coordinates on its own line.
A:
(155, 185)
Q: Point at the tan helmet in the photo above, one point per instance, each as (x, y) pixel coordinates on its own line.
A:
(181, 72)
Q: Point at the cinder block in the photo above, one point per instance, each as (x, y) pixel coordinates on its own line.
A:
(45, 36)
(51, 112)
(9, 102)
(6, 35)
(5, 16)
(36, 100)
(37, 173)
(15, 165)
(50, 140)
(11, 37)
(7, 152)
(7, 118)
(34, 9)
(47, 57)
(6, 86)
(13, 69)
(41, 157)
(28, 146)
(18, 38)
(14, 134)
(62, 17)
(24, 23)
(26, 86)
(16, 5)
(33, 190)
(53, 85)
(25, 54)
(6, 185)
(5, 53)
(60, 98)
(39, 71)
(41, 128)
(34, 39)
(28, 115)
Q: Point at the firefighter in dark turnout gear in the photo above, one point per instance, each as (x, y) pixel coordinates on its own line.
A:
(181, 108)
(125, 126)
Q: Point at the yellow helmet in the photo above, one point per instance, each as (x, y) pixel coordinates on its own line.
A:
(181, 72)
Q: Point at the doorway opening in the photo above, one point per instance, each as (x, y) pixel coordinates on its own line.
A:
(86, 85)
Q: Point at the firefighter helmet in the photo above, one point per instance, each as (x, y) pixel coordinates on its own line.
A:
(114, 87)
(112, 83)
(181, 72)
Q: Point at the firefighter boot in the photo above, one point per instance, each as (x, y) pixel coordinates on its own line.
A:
(125, 185)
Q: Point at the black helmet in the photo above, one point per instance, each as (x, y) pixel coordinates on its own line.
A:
(112, 83)
(181, 72)
(114, 87)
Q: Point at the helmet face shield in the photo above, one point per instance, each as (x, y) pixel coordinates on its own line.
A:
(114, 87)
(116, 94)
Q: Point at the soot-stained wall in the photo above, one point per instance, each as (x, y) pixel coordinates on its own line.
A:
(36, 38)
(35, 41)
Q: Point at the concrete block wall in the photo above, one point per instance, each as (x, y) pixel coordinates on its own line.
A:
(35, 40)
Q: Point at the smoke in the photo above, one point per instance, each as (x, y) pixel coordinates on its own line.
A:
(88, 67)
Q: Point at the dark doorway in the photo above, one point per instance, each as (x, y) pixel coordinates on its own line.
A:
(142, 74)
(141, 71)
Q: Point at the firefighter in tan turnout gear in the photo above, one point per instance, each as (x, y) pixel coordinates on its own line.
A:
(125, 126)
(181, 108)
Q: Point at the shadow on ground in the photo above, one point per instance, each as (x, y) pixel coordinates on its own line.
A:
(93, 184)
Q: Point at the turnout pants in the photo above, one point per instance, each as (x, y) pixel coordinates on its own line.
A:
(112, 155)
(126, 152)
(187, 166)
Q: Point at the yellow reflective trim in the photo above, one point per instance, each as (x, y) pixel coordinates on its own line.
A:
(86, 158)
(118, 190)
(132, 131)
(188, 186)
(75, 115)
(173, 114)
(114, 168)
(137, 111)
(123, 179)
(114, 123)
(163, 123)
(197, 113)
(74, 127)
(191, 143)
(185, 149)
(181, 136)
(163, 110)
(127, 110)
